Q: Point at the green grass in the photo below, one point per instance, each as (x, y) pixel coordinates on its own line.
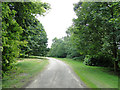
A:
(26, 70)
(92, 76)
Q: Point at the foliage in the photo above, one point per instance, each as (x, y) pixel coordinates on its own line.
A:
(96, 29)
(10, 37)
(63, 47)
(100, 60)
(33, 30)
(57, 48)
(17, 20)
(94, 34)
(71, 50)
(37, 40)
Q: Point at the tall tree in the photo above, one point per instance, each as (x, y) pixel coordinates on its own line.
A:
(10, 36)
(96, 29)
(25, 17)
(17, 17)
(37, 40)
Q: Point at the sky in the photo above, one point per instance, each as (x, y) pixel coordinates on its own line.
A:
(58, 19)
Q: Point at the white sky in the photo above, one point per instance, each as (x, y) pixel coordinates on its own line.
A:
(58, 19)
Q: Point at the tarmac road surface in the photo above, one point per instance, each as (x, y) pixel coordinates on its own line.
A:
(57, 75)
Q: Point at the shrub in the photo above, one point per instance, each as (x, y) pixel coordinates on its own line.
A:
(69, 56)
(87, 60)
(99, 60)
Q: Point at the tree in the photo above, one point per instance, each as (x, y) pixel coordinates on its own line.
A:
(25, 17)
(17, 17)
(96, 30)
(37, 41)
(70, 48)
(57, 48)
(10, 37)
(62, 48)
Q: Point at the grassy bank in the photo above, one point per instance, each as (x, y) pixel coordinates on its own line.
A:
(92, 76)
(26, 69)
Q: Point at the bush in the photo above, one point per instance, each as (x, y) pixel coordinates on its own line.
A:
(99, 60)
(87, 60)
(68, 56)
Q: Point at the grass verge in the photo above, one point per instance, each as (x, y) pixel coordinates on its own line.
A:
(26, 69)
(92, 76)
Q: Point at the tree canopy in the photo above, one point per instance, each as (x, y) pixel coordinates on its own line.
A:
(95, 33)
(22, 33)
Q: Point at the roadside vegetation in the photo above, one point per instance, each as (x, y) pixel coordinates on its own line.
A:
(94, 36)
(26, 69)
(92, 44)
(22, 33)
(93, 76)
(93, 40)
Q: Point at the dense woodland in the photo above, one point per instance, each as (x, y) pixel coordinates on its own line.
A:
(94, 36)
(22, 33)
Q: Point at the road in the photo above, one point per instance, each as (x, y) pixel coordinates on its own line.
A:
(57, 75)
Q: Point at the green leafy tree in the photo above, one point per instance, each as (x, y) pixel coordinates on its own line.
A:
(96, 29)
(25, 17)
(10, 37)
(37, 41)
(17, 17)
(57, 48)
(63, 47)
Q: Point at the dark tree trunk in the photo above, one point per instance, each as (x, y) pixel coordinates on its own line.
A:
(114, 50)
(116, 66)
(115, 56)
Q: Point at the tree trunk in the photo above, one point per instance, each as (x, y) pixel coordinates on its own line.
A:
(114, 50)
(115, 55)
(116, 66)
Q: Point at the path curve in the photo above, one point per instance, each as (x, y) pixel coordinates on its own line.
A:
(57, 75)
